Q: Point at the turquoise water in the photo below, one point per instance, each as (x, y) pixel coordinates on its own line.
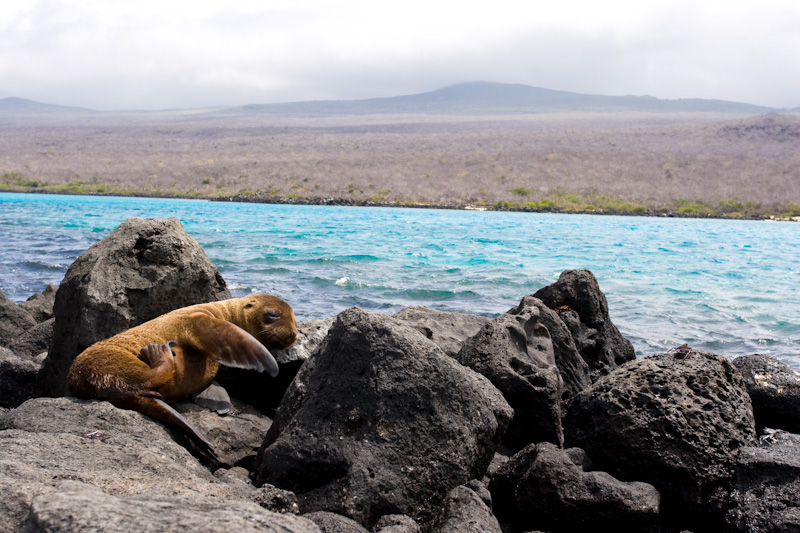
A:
(731, 287)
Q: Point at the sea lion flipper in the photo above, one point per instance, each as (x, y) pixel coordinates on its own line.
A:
(230, 345)
(160, 410)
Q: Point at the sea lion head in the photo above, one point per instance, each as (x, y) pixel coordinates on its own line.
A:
(270, 320)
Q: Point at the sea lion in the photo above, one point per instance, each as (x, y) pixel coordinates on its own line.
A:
(174, 356)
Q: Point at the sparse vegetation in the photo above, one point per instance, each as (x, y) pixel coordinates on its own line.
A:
(686, 165)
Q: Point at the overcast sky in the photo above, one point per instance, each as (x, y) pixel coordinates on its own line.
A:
(156, 54)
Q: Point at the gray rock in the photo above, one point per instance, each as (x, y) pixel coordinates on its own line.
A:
(465, 511)
(236, 435)
(14, 321)
(573, 369)
(447, 329)
(75, 506)
(676, 422)
(143, 269)
(309, 339)
(515, 353)
(17, 378)
(396, 523)
(329, 522)
(584, 309)
(380, 422)
(35, 340)
(49, 440)
(766, 489)
(774, 389)
(544, 487)
(40, 305)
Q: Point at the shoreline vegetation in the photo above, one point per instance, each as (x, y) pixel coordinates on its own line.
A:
(561, 202)
(456, 149)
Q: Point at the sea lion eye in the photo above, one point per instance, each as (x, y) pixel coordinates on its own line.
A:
(248, 306)
(271, 316)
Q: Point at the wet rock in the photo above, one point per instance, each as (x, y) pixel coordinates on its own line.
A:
(328, 522)
(515, 352)
(75, 506)
(676, 422)
(14, 321)
(143, 269)
(465, 511)
(584, 310)
(40, 305)
(381, 422)
(766, 486)
(548, 488)
(774, 389)
(36, 340)
(17, 378)
(447, 329)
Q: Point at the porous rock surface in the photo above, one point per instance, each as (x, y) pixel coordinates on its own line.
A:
(675, 421)
(465, 512)
(548, 488)
(583, 308)
(766, 486)
(515, 352)
(381, 422)
(35, 341)
(143, 269)
(774, 388)
(447, 329)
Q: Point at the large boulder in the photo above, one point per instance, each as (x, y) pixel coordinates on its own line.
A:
(35, 341)
(14, 321)
(143, 269)
(583, 308)
(774, 389)
(40, 305)
(545, 487)
(381, 422)
(449, 330)
(766, 487)
(675, 421)
(515, 353)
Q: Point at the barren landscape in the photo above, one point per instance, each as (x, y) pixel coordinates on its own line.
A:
(610, 161)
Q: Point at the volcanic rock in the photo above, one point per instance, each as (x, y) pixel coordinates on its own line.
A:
(465, 511)
(545, 487)
(675, 421)
(447, 329)
(381, 422)
(515, 352)
(40, 305)
(774, 389)
(584, 309)
(17, 378)
(14, 321)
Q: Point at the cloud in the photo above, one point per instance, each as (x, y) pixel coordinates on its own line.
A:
(155, 54)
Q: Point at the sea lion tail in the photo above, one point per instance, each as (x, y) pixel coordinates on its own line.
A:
(160, 410)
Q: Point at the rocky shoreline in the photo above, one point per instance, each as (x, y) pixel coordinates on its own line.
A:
(422, 421)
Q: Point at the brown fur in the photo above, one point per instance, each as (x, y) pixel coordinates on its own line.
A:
(136, 367)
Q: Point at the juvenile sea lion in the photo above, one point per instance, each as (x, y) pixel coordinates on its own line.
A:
(178, 354)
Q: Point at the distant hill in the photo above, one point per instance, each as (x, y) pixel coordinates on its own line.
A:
(474, 98)
(21, 106)
(477, 98)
